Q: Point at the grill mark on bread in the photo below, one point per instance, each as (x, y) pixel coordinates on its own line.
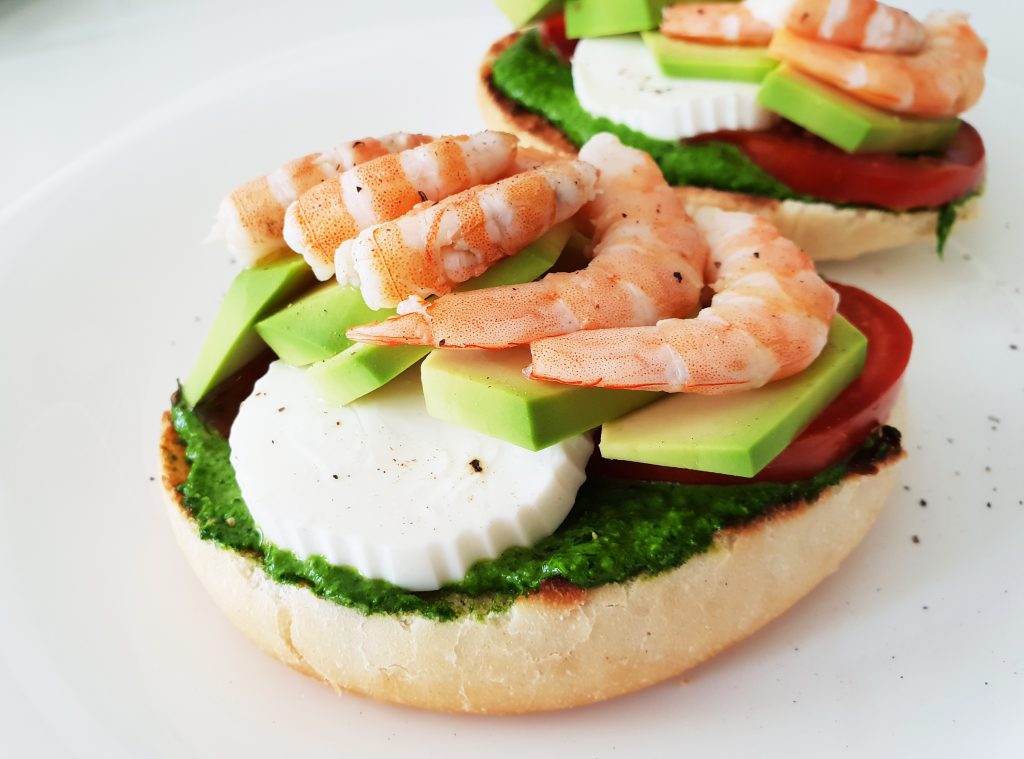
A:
(558, 593)
(174, 467)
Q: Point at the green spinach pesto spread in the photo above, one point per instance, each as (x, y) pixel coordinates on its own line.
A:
(617, 530)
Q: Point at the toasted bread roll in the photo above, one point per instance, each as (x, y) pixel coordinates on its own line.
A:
(562, 647)
(826, 231)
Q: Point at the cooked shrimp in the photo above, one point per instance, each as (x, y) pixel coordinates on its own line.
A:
(432, 249)
(768, 319)
(858, 24)
(944, 79)
(716, 23)
(386, 187)
(648, 264)
(251, 218)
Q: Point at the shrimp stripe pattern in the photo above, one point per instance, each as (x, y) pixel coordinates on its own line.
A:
(768, 319)
(648, 264)
(721, 23)
(944, 79)
(858, 24)
(387, 187)
(251, 218)
(431, 250)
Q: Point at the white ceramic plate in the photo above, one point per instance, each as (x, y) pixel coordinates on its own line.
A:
(110, 648)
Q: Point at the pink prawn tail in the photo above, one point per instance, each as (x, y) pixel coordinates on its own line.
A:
(408, 329)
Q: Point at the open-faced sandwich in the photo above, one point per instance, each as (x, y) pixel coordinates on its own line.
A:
(542, 440)
(837, 120)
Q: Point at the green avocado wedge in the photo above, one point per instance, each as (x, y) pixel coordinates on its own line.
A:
(232, 340)
(524, 12)
(738, 434)
(486, 391)
(313, 328)
(361, 369)
(845, 121)
(695, 60)
(602, 18)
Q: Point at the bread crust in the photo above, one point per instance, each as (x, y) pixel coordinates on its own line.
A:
(552, 650)
(826, 231)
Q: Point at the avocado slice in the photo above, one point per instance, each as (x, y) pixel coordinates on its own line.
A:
(486, 391)
(741, 433)
(524, 12)
(232, 340)
(602, 18)
(846, 122)
(313, 328)
(361, 369)
(696, 60)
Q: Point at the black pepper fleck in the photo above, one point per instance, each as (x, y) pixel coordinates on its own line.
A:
(441, 341)
(423, 195)
(915, 538)
(678, 276)
(358, 188)
(475, 465)
(923, 503)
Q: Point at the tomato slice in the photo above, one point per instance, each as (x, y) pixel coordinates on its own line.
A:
(552, 33)
(810, 166)
(837, 430)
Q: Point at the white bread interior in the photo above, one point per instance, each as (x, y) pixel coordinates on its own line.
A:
(551, 650)
(827, 232)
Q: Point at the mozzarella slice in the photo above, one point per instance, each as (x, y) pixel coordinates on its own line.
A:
(618, 78)
(382, 487)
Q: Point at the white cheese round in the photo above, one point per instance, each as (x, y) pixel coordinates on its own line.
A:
(382, 487)
(618, 78)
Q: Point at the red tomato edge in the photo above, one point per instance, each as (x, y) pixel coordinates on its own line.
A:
(842, 426)
(810, 166)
